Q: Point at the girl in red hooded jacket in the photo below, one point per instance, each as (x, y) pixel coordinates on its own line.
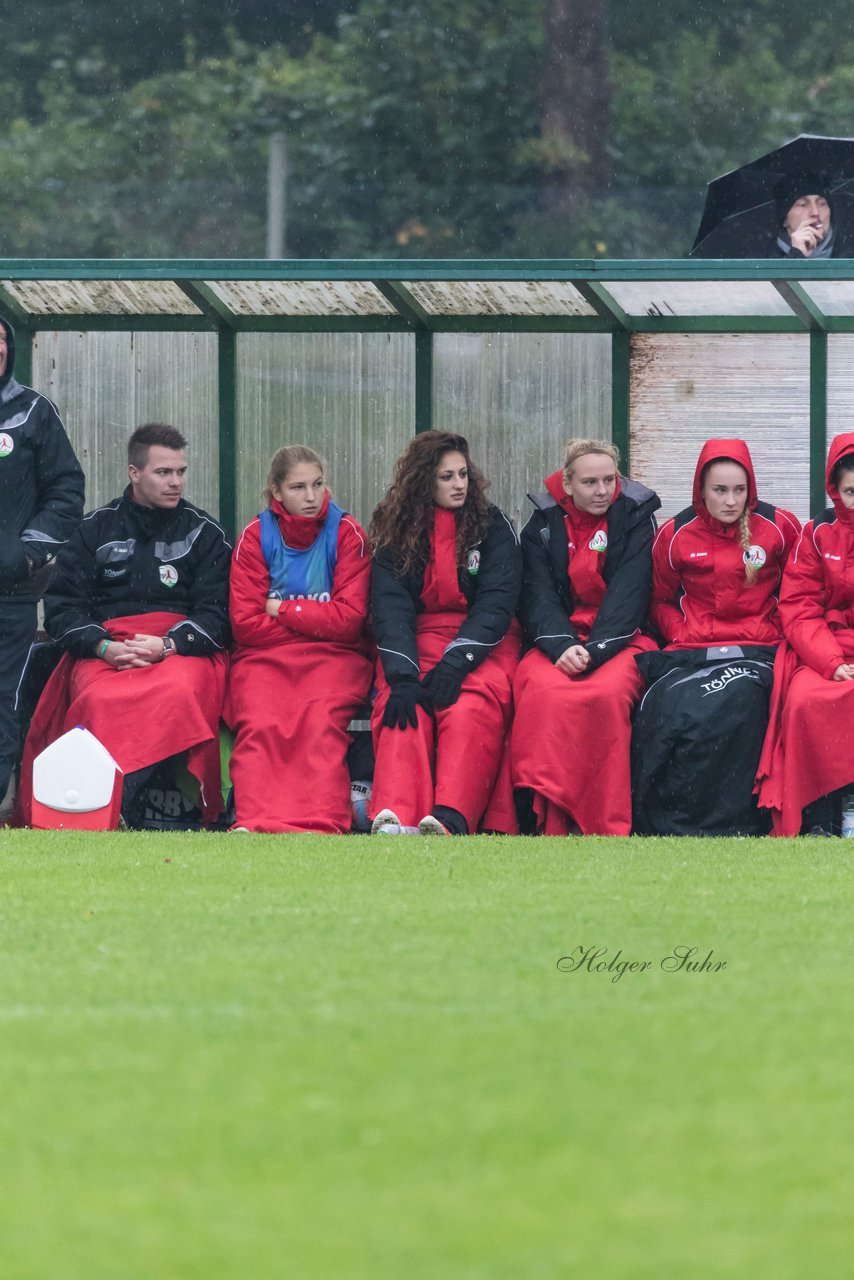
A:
(699, 728)
(809, 754)
(301, 666)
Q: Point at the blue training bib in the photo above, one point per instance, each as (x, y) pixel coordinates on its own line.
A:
(301, 575)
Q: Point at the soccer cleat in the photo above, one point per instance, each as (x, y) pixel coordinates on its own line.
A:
(431, 826)
(233, 830)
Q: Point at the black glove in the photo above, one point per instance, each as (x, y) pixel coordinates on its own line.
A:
(443, 684)
(13, 563)
(401, 710)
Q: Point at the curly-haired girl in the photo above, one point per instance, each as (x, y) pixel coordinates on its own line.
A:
(444, 584)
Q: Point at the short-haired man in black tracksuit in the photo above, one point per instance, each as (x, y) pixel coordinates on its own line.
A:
(41, 503)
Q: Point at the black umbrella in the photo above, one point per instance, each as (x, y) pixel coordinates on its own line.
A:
(740, 215)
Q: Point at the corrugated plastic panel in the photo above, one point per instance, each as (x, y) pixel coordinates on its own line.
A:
(698, 298)
(518, 398)
(689, 388)
(503, 298)
(350, 396)
(302, 298)
(106, 384)
(840, 384)
(833, 297)
(101, 297)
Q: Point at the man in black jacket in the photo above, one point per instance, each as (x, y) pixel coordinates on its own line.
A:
(147, 552)
(41, 502)
(139, 601)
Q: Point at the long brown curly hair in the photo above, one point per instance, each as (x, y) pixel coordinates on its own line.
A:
(403, 520)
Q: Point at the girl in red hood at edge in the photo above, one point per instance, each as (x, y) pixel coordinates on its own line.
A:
(809, 751)
(587, 575)
(700, 725)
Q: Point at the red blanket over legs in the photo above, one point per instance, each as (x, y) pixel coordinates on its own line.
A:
(453, 757)
(571, 739)
(814, 750)
(289, 706)
(141, 716)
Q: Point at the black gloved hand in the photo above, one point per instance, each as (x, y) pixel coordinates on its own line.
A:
(443, 684)
(404, 699)
(13, 563)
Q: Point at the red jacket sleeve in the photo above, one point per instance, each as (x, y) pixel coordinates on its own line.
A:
(664, 611)
(341, 618)
(790, 527)
(803, 600)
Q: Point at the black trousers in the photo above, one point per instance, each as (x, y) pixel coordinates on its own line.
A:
(696, 741)
(17, 631)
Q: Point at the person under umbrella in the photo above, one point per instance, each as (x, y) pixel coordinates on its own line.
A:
(793, 202)
(804, 214)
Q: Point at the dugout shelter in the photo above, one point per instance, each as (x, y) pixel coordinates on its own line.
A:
(354, 357)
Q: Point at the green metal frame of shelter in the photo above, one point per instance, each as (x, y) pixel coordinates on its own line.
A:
(592, 281)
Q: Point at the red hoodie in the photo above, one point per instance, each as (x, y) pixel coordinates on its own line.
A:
(700, 594)
(817, 597)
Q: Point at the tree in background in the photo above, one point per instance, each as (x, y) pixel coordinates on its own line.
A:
(458, 127)
(576, 103)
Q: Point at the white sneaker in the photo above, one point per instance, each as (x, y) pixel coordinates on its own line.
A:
(387, 823)
(385, 818)
(431, 826)
(232, 830)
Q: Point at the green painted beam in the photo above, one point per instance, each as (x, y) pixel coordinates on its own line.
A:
(24, 355)
(605, 306)
(810, 315)
(818, 419)
(423, 380)
(208, 303)
(321, 324)
(717, 324)
(407, 306)
(89, 323)
(227, 387)
(13, 311)
(621, 357)
(522, 324)
(403, 269)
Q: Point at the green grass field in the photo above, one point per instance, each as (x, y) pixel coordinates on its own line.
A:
(357, 1059)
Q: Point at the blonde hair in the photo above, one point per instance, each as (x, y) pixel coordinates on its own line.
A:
(751, 571)
(283, 463)
(577, 448)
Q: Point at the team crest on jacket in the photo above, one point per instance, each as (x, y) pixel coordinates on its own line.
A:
(7, 444)
(168, 575)
(599, 541)
(473, 561)
(755, 555)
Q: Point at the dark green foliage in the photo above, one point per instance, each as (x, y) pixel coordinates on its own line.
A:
(413, 129)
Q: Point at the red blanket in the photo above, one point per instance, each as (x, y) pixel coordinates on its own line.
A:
(571, 740)
(453, 756)
(809, 747)
(141, 716)
(289, 706)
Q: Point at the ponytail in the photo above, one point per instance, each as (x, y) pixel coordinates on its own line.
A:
(751, 571)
